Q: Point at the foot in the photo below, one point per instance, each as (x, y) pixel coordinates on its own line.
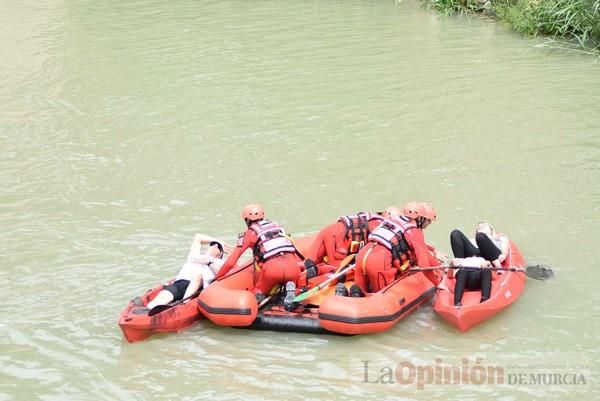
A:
(356, 292)
(458, 304)
(259, 297)
(482, 300)
(290, 294)
(340, 290)
(311, 268)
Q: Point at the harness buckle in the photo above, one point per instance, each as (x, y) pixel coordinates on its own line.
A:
(355, 246)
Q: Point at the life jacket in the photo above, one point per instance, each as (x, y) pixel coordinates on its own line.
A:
(271, 240)
(357, 230)
(390, 233)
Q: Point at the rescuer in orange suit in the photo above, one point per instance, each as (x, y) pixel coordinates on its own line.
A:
(342, 238)
(274, 254)
(395, 245)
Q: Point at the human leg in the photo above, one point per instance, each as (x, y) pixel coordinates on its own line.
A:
(172, 292)
(379, 268)
(461, 246)
(360, 276)
(278, 270)
(162, 298)
(486, 284)
(488, 250)
(459, 288)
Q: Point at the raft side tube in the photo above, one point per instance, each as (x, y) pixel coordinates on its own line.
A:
(378, 312)
(229, 302)
(265, 321)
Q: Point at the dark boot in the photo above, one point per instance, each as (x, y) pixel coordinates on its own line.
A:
(311, 268)
(340, 290)
(356, 292)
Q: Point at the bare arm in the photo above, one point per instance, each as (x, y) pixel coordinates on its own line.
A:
(207, 239)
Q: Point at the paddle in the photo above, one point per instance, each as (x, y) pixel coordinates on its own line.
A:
(272, 293)
(345, 262)
(536, 272)
(304, 295)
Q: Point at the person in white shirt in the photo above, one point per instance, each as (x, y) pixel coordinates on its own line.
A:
(487, 249)
(198, 272)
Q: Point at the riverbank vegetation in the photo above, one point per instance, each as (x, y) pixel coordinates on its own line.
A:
(575, 20)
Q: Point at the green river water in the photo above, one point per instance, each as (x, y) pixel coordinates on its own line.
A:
(126, 127)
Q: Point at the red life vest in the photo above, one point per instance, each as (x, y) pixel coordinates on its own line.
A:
(271, 240)
(390, 233)
(357, 230)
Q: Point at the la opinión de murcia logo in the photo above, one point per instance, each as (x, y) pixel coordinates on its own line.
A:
(477, 373)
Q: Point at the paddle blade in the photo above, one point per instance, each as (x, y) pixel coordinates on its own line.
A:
(304, 295)
(539, 272)
(346, 261)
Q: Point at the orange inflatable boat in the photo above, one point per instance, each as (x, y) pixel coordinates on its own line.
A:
(230, 302)
(137, 325)
(378, 311)
(506, 289)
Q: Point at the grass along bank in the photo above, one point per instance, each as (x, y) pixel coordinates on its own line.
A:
(577, 20)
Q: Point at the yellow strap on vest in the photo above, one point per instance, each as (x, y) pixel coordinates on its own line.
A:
(404, 266)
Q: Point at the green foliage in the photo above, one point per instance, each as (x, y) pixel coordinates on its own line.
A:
(579, 19)
(449, 7)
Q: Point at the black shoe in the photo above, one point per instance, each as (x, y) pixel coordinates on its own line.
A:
(356, 292)
(458, 304)
(340, 290)
(311, 268)
(259, 297)
(482, 300)
(290, 294)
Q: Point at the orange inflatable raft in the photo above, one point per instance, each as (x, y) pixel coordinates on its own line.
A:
(230, 302)
(506, 289)
(137, 325)
(378, 311)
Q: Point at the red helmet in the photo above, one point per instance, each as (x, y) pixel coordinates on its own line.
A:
(413, 210)
(253, 212)
(429, 212)
(390, 212)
